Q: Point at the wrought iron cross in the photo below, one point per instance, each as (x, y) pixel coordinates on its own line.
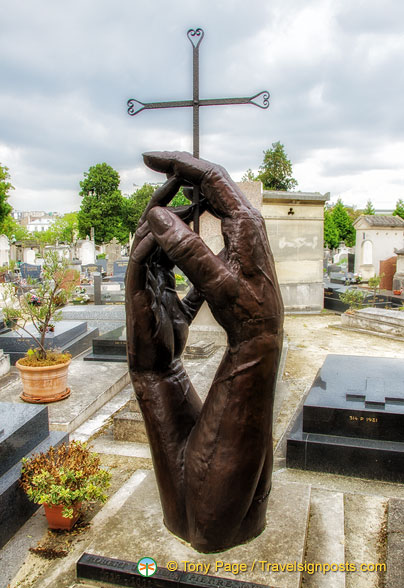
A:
(135, 106)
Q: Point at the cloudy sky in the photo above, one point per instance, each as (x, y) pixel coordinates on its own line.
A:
(334, 69)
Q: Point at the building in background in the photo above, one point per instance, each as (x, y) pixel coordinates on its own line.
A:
(377, 236)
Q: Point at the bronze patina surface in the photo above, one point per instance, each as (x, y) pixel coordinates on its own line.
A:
(213, 462)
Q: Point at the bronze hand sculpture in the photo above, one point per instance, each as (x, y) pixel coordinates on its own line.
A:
(213, 462)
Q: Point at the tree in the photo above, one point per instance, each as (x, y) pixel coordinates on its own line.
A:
(369, 209)
(135, 205)
(275, 171)
(249, 176)
(13, 230)
(5, 187)
(399, 210)
(343, 223)
(65, 228)
(102, 206)
(180, 199)
(331, 235)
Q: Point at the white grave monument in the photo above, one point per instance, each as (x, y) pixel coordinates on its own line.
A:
(87, 252)
(29, 256)
(4, 250)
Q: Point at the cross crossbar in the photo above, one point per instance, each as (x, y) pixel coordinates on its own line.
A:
(135, 106)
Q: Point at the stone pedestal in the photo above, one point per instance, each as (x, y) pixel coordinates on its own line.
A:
(367, 270)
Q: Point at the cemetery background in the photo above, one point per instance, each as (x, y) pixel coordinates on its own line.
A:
(311, 338)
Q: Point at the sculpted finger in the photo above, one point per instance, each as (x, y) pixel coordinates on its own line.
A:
(209, 274)
(162, 196)
(136, 272)
(223, 194)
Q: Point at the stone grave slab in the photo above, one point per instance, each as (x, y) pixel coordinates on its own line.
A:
(23, 427)
(119, 271)
(72, 336)
(26, 431)
(110, 346)
(30, 271)
(352, 421)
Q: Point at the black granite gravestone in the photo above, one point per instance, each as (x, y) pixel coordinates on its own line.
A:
(30, 271)
(25, 431)
(352, 421)
(71, 336)
(110, 346)
(125, 573)
(119, 273)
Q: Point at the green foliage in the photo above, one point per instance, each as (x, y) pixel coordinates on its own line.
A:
(331, 235)
(180, 199)
(369, 209)
(101, 179)
(103, 206)
(135, 205)
(65, 475)
(353, 212)
(42, 306)
(65, 229)
(344, 224)
(399, 210)
(374, 283)
(354, 298)
(275, 171)
(5, 187)
(14, 231)
(249, 176)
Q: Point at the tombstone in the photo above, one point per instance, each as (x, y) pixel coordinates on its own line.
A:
(87, 252)
(351, 262)
(29, 256)
(97, 288)
(352, 421)
(25, 430)
(110, 346)
(119, 270)
(63, 251)
(4, 250)
(333, 268)
(30, 271)
(386, 272)
(113, 253)
(342, 255)
(103, 263)
(91, 268)
(398, 278)
(71, 336)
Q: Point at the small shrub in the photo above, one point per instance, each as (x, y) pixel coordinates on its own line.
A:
(64, 475)
(353, 298)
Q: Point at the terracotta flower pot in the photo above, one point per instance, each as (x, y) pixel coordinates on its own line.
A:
(44, 384)
(55, 518)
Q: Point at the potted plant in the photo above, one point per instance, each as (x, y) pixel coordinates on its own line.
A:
(43, 370)
(62, 479)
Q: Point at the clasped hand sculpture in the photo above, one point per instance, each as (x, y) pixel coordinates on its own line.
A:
(213, 461)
